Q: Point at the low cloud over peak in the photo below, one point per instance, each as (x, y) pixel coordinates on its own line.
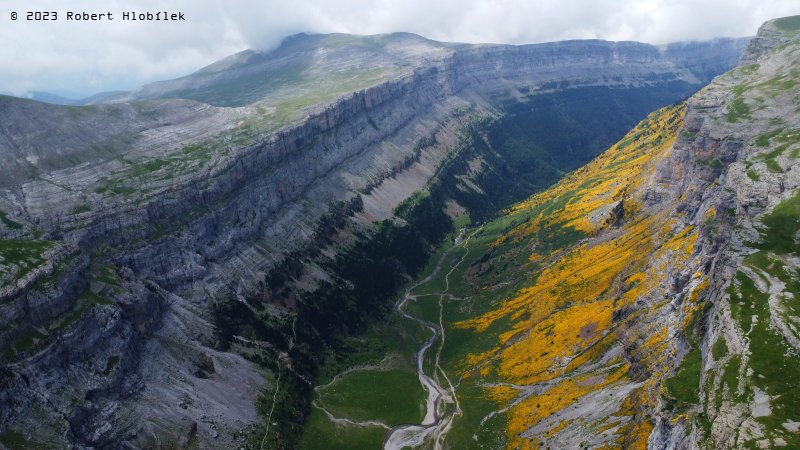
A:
(92, 56)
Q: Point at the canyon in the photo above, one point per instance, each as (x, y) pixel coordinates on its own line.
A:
(184, 264)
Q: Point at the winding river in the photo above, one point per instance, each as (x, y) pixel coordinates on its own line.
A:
(441, 404)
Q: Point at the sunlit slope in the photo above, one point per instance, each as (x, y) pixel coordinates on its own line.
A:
(649, 299)
(568, 357)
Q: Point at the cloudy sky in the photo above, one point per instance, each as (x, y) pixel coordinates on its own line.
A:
(89, 57)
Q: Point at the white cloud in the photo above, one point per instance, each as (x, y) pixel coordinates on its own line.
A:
(91, 56)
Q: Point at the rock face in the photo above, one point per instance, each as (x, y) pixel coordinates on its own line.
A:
(748, 120)
(123, 222)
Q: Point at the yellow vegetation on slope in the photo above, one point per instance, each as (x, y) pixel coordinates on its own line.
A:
(609, 176)
(563, 321)
(533, 409)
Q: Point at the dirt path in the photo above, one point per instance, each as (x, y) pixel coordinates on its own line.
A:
(278, 384)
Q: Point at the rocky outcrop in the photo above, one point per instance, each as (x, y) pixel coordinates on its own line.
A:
(741, 136)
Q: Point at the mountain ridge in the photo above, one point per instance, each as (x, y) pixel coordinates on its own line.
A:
(303, 42)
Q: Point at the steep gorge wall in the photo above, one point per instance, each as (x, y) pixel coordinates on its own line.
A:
(743, 132)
